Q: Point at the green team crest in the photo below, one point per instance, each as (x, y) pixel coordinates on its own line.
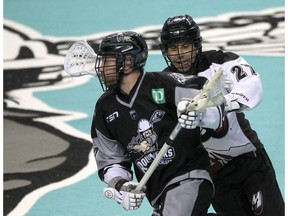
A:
(158, 96)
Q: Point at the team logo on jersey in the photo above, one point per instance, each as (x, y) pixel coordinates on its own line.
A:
(158, 96)
(144, 162)
(257, 203)
(146, 142)
(133, 114)
(146, 139)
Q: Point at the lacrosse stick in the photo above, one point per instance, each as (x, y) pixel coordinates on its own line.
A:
(210, 95)
(80, 60)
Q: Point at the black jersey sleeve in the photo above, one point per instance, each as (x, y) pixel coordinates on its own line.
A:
(107, 150)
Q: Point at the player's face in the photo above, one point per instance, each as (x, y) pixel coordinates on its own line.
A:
(107, 70)
(182, 55)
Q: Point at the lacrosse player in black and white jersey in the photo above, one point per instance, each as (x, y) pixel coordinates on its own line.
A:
(242, 172)
(132, 121)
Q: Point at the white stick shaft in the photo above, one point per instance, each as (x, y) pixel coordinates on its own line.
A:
(158, 158)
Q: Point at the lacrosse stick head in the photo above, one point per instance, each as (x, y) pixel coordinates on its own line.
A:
(80, 60)
(125, 49)
(215, 94)
(210, 95)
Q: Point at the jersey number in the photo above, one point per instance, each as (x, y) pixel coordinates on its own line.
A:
(240, 73)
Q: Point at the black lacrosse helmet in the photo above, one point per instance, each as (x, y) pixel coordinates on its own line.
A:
(180, 29)
(122, 45)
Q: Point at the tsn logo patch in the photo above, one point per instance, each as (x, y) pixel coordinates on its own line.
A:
(112, 117)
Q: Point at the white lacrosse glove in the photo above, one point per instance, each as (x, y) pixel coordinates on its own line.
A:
(231, 103)
(188, 119)
(124, 193)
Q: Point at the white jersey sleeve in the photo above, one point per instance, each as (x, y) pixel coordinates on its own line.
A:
(246, 84)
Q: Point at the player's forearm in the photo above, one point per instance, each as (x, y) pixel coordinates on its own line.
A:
(115, 170)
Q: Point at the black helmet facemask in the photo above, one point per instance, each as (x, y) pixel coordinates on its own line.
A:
(121, 47)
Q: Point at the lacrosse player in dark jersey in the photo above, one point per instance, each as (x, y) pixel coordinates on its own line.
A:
(242, 172)
(132, 121)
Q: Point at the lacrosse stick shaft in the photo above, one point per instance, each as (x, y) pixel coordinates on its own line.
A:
(159, 156)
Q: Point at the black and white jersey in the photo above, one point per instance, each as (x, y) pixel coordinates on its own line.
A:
(235, 137)
(131, 129)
